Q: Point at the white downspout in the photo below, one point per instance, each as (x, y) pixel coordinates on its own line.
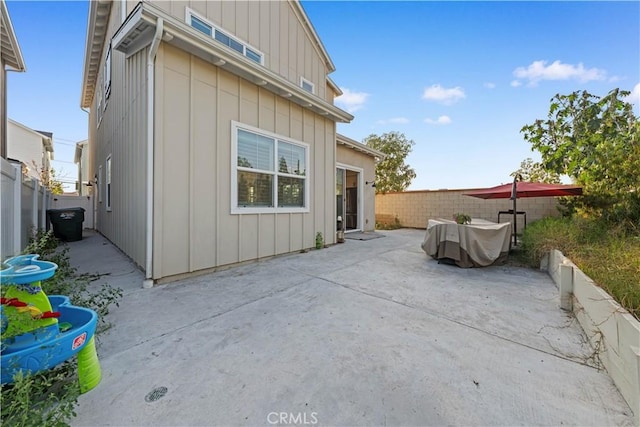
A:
(155, 43)
(95, 190)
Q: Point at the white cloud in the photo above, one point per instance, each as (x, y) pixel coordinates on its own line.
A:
(442, 120)
(539, 70)
(490, 85)
(443, 95)
(351, 101)
(634, 97)
(515, 83)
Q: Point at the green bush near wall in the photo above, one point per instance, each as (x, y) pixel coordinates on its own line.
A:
(607, 253)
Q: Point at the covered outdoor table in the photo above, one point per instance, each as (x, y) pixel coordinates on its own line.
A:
(478, 244)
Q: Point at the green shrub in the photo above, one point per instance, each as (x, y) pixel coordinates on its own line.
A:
(44, 399)
(48, 398)
(606, 252)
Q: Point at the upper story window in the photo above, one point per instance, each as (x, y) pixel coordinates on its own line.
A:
(206, 27)
(107, 75)
(270, 172)
(99, 104)
(307, 85)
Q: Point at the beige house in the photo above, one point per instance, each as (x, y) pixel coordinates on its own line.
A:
(10, 60)
(212, 133)
(34, 149)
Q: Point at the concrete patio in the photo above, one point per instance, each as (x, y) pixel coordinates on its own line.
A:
(362, 333)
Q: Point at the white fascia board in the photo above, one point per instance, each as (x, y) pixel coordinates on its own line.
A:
(193, 41)
(13, 56)
(99, 11)
(355, 145)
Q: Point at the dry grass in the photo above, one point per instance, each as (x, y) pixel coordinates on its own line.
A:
(605, 253)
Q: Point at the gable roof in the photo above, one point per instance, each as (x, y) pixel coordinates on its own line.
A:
(357, 146)
(311, 32)
(9, 47)
(146, 19)
(99, 11)
(47, 137)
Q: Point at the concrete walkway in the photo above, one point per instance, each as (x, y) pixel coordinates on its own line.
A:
(363, 333)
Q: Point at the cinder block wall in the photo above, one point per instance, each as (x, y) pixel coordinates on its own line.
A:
(415, 208)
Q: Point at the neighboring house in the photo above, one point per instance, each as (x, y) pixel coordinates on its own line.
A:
(212, 132)
(81, 158)
(31, 147)
(10, 60)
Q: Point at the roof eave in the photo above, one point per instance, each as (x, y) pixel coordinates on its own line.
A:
(98, 20)
(357, 146)
(312, 32)
(135, 32)
(334, 86)
(10, 49)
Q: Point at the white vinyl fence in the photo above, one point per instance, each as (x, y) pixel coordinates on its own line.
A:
(61, 201)
(23, 209)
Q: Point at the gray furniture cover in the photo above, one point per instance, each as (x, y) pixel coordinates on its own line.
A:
(478, 244)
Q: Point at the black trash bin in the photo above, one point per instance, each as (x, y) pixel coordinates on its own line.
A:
(67, 223)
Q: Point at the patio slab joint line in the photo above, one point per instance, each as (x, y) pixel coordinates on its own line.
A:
(443, 317)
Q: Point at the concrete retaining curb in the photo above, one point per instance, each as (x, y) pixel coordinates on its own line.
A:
(612, 331)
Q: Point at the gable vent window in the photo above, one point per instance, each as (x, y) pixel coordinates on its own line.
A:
(206, 27)
(307, 85)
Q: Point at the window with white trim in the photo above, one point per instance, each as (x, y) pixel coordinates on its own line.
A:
(108, 182)
(99, 105)
(206, 27)
(100, 184)
(99, 109)
(270, 172)
(307, 85)
(107, 76)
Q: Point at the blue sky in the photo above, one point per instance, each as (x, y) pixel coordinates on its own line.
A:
(458, 78)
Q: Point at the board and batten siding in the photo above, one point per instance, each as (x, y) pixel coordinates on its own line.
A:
(194, 229)
(122, 134)
(272, 27)
(350, 157)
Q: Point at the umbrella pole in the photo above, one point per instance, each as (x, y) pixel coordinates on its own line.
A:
(514, 196)
(515, 223)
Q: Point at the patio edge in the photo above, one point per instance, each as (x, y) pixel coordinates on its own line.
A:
(612, 331)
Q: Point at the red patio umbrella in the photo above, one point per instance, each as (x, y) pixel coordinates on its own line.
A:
(525, 189)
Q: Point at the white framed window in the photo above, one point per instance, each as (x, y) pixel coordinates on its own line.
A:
(107, 76)
(99, 105)
(206, 27)
(307, 85)
(270, 173)
(108, 182)
(100, 184)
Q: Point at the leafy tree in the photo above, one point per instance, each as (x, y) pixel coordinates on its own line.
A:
(52, 182)
(535, 172)
(392, 174)
(49, 179)
(596, 141)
